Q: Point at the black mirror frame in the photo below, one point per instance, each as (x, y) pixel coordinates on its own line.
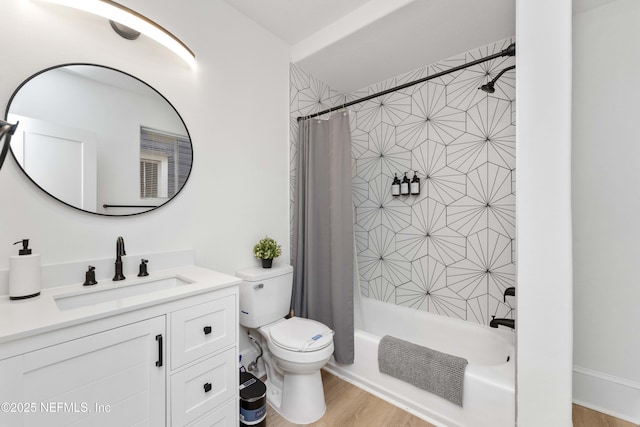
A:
(6, 114)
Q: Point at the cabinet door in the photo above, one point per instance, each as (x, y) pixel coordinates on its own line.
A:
(113, 378)
(13, 407)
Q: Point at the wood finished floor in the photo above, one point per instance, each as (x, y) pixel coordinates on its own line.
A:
(349, 406)
(585, 417)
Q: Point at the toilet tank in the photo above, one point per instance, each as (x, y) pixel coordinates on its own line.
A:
(265, 294)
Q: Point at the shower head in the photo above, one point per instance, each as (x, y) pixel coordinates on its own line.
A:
(489, 87)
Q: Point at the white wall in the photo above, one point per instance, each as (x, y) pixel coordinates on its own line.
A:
(606, 154)
(235, 105)
(543, 200)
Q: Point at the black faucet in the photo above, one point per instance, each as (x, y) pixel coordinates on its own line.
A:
(509, 292)
(90, 276)
(142, 272)
(510, 323)
(120, 252)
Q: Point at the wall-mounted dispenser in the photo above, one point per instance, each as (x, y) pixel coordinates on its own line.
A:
(24, 273)
(415, 184)
(405, 185)
(395, 186)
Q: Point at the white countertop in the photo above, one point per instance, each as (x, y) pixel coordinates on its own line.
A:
(23, 318)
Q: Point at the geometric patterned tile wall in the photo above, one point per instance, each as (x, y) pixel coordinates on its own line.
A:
(449, 250)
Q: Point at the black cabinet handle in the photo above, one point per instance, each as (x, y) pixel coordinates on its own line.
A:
(207, 387)
(159, 340)
(207, 330)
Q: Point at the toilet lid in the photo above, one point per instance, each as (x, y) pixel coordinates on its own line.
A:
(302, 335)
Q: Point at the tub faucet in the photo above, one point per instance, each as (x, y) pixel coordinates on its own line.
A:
(510, 323)
(509, 292)
(119, 253)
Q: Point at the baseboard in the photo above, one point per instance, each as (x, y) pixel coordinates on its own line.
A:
(606, 393)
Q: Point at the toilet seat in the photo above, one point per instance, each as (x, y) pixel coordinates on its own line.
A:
(301, 335)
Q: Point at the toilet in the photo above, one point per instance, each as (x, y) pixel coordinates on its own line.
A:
(296, 348)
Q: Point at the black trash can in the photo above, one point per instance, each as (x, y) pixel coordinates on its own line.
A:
(253, 401)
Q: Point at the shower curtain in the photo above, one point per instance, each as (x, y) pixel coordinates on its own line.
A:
(323, 229)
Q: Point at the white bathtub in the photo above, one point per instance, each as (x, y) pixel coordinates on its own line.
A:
(489, 382)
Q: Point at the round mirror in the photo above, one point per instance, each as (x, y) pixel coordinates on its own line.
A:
(99, 140)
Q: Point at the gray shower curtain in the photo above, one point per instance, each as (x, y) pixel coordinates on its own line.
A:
(323, 229)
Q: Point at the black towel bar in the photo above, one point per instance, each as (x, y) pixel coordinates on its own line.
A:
(127, 206)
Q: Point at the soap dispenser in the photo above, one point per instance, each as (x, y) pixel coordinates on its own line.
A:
(395, 186)
(24, 273)
(415, 184)
(404, 185)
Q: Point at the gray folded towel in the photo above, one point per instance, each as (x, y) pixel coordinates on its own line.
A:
(431, 370)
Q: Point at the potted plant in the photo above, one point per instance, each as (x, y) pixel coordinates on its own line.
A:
(267, 249)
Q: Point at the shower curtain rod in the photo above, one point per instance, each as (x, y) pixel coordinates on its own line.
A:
(509, 51)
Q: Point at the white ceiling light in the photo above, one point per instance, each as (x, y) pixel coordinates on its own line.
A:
(123, 15)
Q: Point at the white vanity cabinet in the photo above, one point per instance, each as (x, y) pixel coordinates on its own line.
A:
(106, 378)
(174, 363)
(10, 386)
(109, 378)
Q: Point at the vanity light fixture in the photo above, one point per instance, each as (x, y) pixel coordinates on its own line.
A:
(124, 16)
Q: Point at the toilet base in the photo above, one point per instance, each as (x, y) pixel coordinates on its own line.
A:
(301, 399)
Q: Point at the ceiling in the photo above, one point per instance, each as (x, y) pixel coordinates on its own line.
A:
(351, 44)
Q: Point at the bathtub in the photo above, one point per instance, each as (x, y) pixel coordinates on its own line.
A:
(489, 382)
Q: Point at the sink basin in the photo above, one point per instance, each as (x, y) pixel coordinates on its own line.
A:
(87, 297)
